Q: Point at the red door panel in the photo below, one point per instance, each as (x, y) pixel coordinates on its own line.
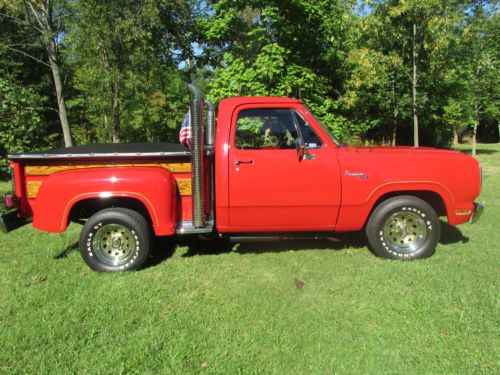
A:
(272, 189)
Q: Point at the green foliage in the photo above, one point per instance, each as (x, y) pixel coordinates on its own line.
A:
(22, 125)
(264, 48)
(124, 71)
(28, 120)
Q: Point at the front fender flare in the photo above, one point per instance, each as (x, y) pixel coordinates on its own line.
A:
(353, 217)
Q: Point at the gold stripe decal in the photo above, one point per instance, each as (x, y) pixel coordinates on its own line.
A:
(47, 170)
(32, 188)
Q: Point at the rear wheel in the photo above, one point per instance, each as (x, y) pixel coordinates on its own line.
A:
(403, 227)
(115, 239)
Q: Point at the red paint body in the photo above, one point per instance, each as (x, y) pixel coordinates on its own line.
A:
(153, 187)
(278, 191)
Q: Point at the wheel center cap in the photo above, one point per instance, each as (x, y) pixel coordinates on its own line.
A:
(117, 243)
(402, 230)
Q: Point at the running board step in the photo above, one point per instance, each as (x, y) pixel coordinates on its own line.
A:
(187, 227)
(236, 239)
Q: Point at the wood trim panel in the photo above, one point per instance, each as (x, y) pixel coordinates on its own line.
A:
(47, 170)
(32, 188)
(184, 186)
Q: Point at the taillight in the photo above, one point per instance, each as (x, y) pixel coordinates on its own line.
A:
(10, 201)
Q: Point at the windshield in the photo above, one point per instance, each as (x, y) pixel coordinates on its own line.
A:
(330, 135)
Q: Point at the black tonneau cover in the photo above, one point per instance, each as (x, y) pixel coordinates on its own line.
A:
(106, 150)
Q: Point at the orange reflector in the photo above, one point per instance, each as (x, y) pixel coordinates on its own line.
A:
(463, 212)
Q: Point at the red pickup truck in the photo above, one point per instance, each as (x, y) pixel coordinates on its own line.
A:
(269, 169)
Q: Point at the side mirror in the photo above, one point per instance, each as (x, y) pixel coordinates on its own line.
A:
(300, 147)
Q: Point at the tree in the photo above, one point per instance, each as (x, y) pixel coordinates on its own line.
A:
(414, 49)
(122, 55)
(28, 119)
(47, 18)
(481, 64)
(274, 48)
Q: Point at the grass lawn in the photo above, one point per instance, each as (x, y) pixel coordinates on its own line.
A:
(229, 310)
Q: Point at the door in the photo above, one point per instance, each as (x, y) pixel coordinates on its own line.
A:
(271, 188)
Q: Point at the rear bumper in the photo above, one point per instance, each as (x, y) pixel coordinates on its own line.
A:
(478, 211)
(11, 220)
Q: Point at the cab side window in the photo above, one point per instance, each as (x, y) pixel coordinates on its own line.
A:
(265, 128)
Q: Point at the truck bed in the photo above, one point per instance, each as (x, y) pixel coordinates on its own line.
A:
(34, 168)
(109, 150)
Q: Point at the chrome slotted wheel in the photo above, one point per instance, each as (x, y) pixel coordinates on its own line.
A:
(405, 231)
(114, 244)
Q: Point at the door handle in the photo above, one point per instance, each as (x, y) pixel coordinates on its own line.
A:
(238, 162)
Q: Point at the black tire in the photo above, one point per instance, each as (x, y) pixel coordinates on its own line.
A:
(115, 239)
(403, 227)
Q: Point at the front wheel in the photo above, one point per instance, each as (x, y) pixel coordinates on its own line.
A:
(115, 239)
(403, 227)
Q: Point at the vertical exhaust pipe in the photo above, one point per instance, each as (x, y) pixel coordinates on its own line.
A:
(196, 112)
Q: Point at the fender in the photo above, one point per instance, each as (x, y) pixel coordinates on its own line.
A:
(353, 217)
(154, 187)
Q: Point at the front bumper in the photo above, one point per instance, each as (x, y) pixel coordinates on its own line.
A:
(478, 211)
(11, 220)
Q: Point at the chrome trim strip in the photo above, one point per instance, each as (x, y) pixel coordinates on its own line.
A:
(187, 227)
(96, 155)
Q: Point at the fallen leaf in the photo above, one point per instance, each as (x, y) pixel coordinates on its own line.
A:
(299, 284)
(40, 278)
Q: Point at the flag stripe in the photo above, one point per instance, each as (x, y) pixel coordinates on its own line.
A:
(185, 132)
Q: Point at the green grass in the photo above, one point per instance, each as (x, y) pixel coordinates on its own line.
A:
(236, 310)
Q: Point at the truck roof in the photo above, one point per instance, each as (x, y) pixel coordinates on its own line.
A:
(239, 100)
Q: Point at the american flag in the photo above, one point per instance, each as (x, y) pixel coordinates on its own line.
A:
(185, 133)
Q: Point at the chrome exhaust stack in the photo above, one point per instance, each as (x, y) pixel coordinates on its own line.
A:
(196, 116)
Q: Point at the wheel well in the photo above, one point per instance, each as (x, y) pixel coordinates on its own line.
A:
(88, 207)
(430, 197)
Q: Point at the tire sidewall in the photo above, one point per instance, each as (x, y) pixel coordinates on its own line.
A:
(382, 213)
(117, 217)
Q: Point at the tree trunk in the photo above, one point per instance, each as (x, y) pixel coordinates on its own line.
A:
(61, 104)
(415, 79)
(116, 112)
(474, 129)
(455, 136)
(394, 129)
(42, 12)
